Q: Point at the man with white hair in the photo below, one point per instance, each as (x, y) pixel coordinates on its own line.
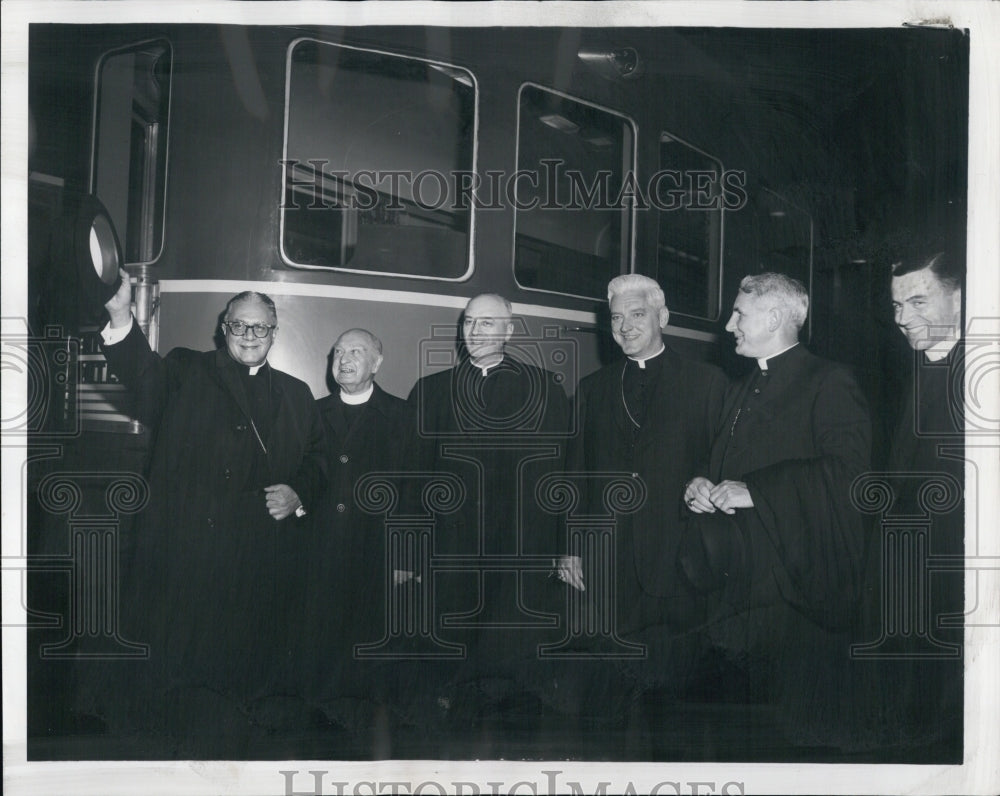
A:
(651, 414)
(773, 531)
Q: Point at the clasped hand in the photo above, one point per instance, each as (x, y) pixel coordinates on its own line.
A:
(704, 497)
(281, 500)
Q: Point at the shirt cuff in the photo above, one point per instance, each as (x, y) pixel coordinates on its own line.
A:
(111, 336)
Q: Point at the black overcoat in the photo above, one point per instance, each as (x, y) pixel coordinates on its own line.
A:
(208, 581)
(346, 575)
(670, 449)
(798, 437)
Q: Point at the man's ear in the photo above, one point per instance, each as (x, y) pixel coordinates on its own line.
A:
(664, 317)
(774, 318)
(509, 332)
(378, 364)
(956, 306)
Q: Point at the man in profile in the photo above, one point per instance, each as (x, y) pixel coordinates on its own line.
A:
(237, 454)
(773, 529)
(653, 415)
(495, 420)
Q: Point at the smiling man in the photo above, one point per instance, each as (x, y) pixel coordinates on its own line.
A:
(496, 421)
(651, 414)
(925, 695)
(773, 531)
(237, 453)
(344, 569)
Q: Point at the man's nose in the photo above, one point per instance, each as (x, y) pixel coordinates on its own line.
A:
(731, 323)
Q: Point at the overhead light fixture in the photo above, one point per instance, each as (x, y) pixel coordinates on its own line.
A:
(620, 63)
(559, 122)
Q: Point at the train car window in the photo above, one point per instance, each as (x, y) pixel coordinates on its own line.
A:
(573, 215)
(689, 200)
(379, 163)
(129, 159)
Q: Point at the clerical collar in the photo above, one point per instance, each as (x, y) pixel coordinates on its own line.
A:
(486, 368)
(762, 363)
(357, 398)
(255, 368)
(642, 362)
(940, 350)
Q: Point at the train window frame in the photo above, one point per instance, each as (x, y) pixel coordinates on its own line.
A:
(629, 249)
(470, 248)
(720, 269)
(165, 138)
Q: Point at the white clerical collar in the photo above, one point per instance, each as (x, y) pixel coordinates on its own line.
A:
(255, 368)
(939, 350)
(357, 398)
(487, 368)
(762, 363)
(642, 362)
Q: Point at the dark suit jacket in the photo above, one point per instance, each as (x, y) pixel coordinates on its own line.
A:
(494, 426)
(382, 439)
(346, 582)
(799, 446)
(208, 585)
(673, 444)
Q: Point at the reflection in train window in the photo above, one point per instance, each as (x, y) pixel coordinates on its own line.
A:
(688, 198)
(129, 167)
(379, 160)
(785, 233)
(573, 218)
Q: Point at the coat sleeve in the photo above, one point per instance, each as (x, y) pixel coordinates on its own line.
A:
(147, 375)
(804, 505)
(311, 474)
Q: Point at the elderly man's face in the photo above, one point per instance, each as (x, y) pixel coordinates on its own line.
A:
(636, 325)
(753, 325)
(355, 362)
(248, 348)
(486, 327)
(926, 311)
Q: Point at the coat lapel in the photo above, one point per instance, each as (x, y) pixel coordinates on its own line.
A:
(226, 371)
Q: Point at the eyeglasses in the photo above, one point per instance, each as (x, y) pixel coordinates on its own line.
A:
(239, 328)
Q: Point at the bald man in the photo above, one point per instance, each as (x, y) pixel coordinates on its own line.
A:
(366, 430)
(496, 420)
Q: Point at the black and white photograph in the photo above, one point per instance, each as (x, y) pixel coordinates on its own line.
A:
(501, 397)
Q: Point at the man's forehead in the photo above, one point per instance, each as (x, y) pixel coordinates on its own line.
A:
(630, 298)
(915, 283)
(353, 339)
(486, 307)
(250, 307)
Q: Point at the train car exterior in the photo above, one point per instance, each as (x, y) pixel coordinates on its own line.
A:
(381, 176)
(533, 163)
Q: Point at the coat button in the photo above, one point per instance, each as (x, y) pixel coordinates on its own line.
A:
(210, 522)
(241, 428)
(756, 390)
(341, 508)
(228, 473)
(344, 458)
